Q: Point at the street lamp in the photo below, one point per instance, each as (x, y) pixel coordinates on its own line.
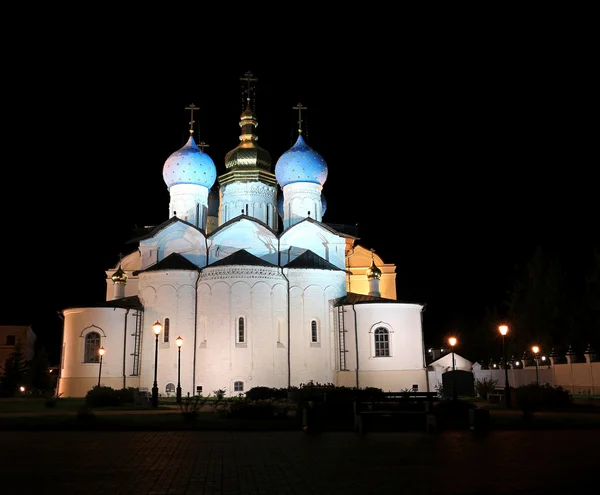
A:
(503, 329)
(156, 328)
(101, 351)
(179, 342)
(535, 350)
(452, 342)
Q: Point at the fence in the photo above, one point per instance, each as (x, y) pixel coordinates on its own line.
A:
(577, 378)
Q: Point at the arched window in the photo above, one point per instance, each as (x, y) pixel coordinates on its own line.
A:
(92, 345)
(241, 332)
(170, 389)
(314, 332)
(166, 331)
(382, 342)
(238, 386)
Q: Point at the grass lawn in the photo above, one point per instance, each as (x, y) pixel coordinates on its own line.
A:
(32, 414)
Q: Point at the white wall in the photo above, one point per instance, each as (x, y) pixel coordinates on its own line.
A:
(405, 365)
(78, 377)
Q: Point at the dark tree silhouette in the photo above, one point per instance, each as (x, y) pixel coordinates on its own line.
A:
(484, 343)
(15, 372)
(39, 372)
(549, 305)
(591, 301)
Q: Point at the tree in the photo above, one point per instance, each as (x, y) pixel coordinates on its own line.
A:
(542, 305)
(483, 343)
(591, 298)
(15, 372)
(40, 377)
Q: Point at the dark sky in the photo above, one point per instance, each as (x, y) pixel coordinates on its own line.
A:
(454, 159)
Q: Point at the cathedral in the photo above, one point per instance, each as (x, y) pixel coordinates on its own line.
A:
(245, 285)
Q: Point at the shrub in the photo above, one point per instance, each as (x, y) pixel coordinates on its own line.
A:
(264, 393)
(103, 397)
(533, 397)
(190, 406)
(253, 409)
(485, 386)
(126, 395)
(219, 394)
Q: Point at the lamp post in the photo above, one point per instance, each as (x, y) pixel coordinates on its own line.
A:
(101, 351)
(503, 329)
(156, 328)
(179, 342)
(452, 342)
(535, 350)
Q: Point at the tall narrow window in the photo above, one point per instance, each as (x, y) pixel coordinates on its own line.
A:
(166, 331)
(314, 332)
(241, 333)
(92, 345)
(382, 342)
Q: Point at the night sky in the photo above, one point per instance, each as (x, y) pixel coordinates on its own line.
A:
(454, 161)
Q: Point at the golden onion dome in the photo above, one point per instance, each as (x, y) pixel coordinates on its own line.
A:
(373, 272)
(119, 277)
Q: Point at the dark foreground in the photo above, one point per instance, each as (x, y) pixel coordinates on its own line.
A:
(292, 462)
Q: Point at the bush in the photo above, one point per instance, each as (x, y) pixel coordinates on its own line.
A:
(255, 409)
(485, 386)
(126, 395)
(265, 393)
(103, 397)
(534, 397)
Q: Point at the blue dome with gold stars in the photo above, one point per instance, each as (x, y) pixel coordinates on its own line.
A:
(190, 165)
(300, 164)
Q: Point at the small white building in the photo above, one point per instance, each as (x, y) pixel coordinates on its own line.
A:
(260, 289)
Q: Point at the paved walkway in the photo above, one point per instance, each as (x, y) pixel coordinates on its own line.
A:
(249, 463)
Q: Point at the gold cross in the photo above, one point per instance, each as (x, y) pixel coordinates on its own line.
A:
(299, 107)
(248, 77)
(192, 107)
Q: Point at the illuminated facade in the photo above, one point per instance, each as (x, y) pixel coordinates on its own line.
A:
(260, 289)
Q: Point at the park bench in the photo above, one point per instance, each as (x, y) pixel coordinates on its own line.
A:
(392, 405)
(497, 396)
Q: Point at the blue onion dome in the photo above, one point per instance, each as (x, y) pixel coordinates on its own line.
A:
(323, 204)
(213, 202)
(190, 165)
(300, 164)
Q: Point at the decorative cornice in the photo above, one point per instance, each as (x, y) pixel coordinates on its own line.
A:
(231, 272)
(262, 191)
(247, 176)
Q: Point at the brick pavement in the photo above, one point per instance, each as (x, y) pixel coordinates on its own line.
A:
(289, 462)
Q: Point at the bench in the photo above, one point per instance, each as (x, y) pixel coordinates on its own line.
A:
(497, 396)
(392, 404)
